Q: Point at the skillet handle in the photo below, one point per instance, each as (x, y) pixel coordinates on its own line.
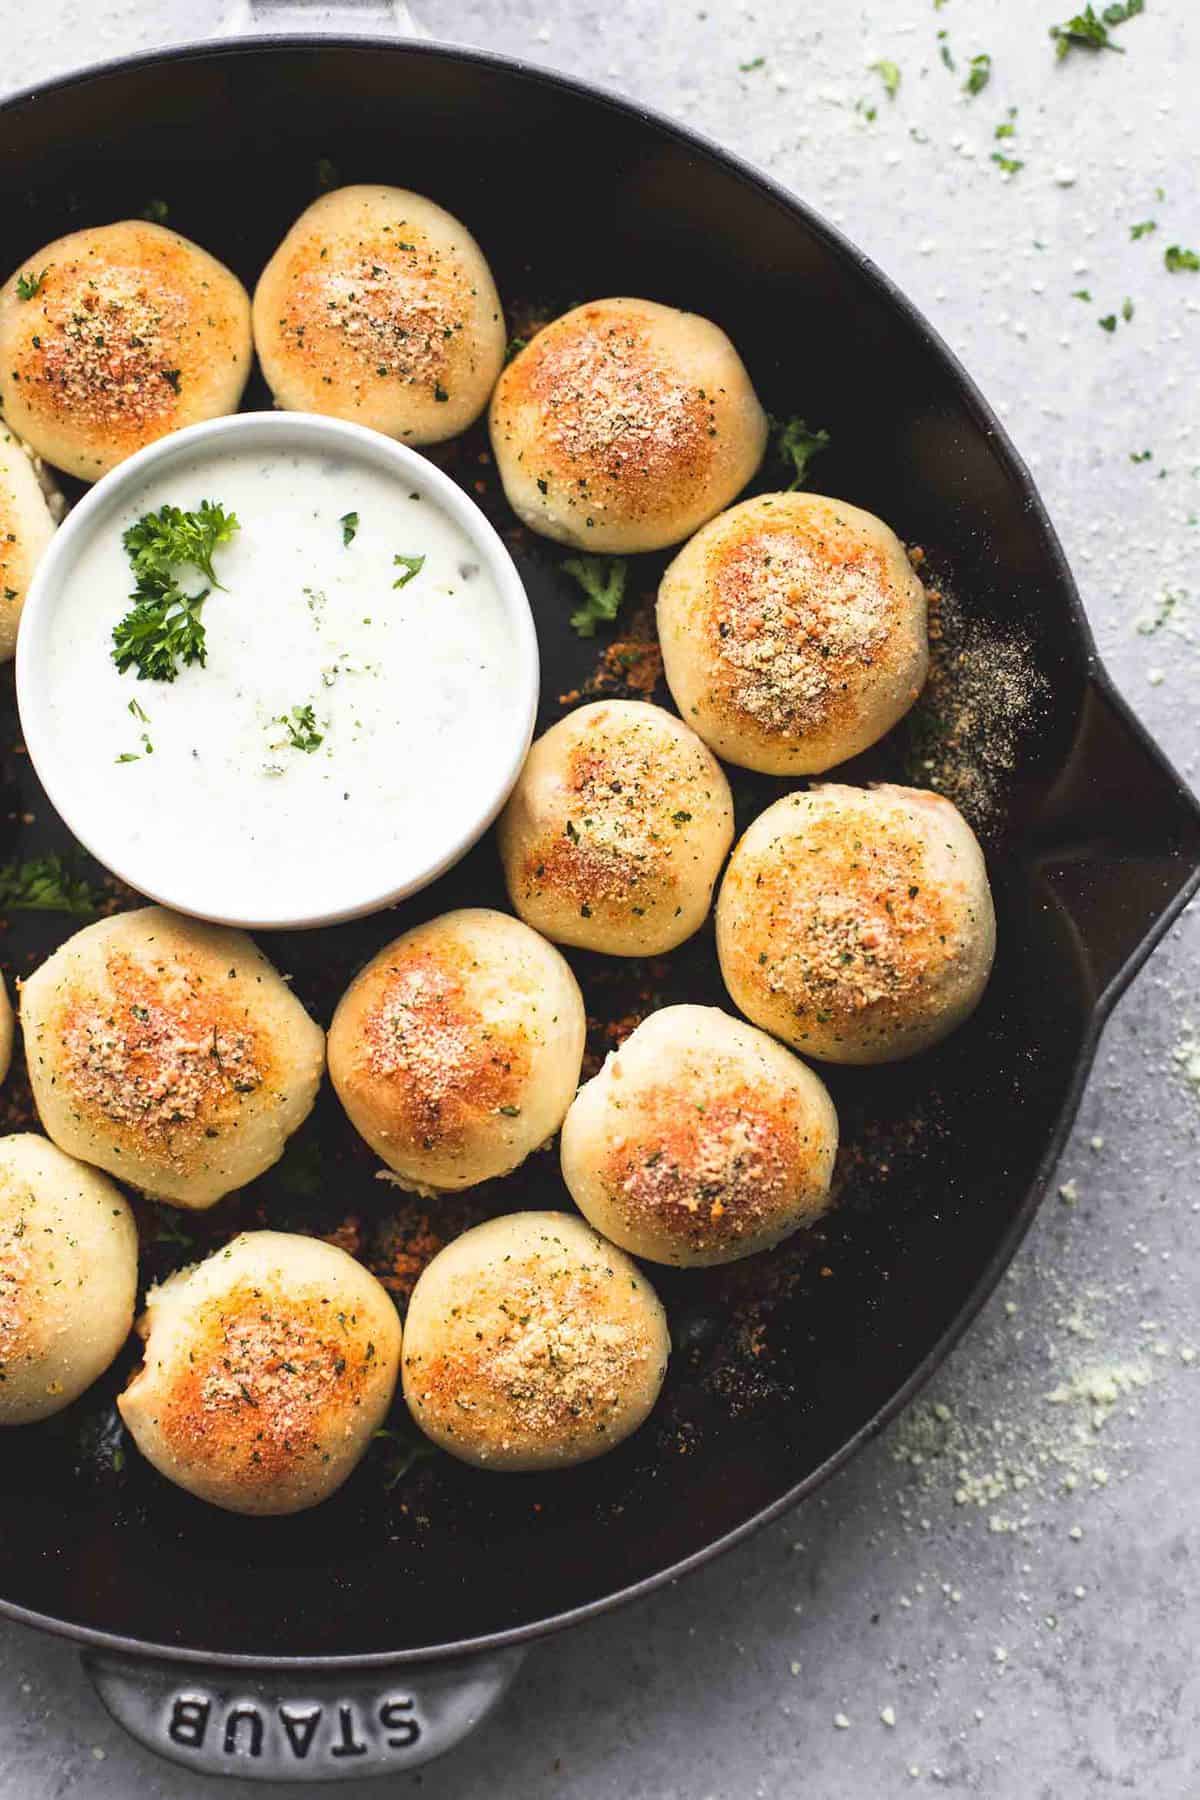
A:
(250, 18)
(262, 1725)
(1118, 841)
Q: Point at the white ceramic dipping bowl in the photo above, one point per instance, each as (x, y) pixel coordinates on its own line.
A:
(328, 870)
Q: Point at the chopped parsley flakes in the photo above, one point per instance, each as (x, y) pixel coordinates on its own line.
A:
(1167, 607)
(1178, 259)
(411, 565)
(29, 285)
(980, 73)
(889, 74)
(349, 525)
(301, 727)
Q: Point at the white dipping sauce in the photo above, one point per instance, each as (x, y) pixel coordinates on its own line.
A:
(413, 689)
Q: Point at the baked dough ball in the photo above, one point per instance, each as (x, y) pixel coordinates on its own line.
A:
(28, 502)
(624, 425)
(130, 332)
(530, 1343)
(378, 307)
(616, 830)
(700, 1141)
(6, 1030)
(68, 1277)
(267, 1369)
(457, 1049)
(793, 632)
(857, 923)
(170, 1053)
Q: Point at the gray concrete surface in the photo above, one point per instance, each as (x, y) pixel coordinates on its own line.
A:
(1012, 1574)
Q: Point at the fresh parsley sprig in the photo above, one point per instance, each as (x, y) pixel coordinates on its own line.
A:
(29, 285)
(161, 635)
(172, 538)
(46, 884)
(602, 579)
(410, 1449)
(1088, 30)
(794, 443)
(163, 632)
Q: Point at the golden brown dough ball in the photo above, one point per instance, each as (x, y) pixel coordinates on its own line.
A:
(530, 1343)
(616, 830)
(624, 425)
(793, 632)
(170, 1053)
(115, 335)
(68, 1277)
(267, 1369)
(857, 923)
(6, 1030)
(456, 1051)
(700, 1141)
(30, 506)
(378, 307)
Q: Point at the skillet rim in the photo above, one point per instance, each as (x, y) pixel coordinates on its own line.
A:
(1097, 676)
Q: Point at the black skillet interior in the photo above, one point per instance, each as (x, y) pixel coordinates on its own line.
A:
(780, 1361)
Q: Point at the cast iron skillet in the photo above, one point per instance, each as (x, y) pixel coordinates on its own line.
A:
(373, 1631)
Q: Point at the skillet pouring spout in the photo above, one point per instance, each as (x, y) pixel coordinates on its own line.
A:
(1117, 847)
